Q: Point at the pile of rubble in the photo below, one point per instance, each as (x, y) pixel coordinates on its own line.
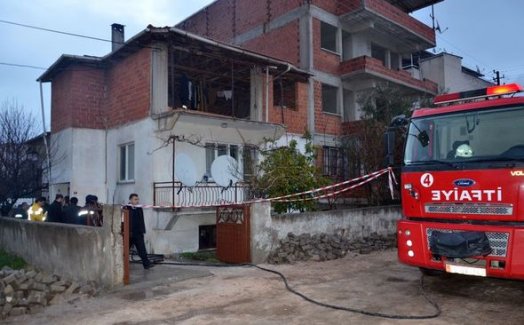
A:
(322, 247)
(29, 291)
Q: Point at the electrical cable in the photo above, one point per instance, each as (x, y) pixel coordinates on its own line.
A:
(22, 66)
(57, 31)
(436, 314)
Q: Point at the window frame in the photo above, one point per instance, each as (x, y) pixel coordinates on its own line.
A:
(128, 175)
(323, 99)
(323, 31)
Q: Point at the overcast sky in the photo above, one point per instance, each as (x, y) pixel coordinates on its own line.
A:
(486, 35)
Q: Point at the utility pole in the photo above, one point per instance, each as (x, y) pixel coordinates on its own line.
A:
(497, 77)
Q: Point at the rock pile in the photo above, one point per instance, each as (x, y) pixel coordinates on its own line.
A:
(321, 247)
(29, 291)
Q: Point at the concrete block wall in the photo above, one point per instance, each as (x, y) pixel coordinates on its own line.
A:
(74, 252)
(267, 230)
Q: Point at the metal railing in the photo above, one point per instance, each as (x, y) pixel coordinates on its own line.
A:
(170, 194)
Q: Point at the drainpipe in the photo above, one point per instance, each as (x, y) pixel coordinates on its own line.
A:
(45, 140)
(267, 94)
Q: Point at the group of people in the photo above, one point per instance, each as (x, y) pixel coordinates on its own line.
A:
(62, 210)
(65, 210)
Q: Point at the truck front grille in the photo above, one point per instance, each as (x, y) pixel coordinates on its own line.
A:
(470, 208)
(497, 240)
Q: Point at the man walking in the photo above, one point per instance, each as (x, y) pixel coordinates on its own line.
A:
(137, 229)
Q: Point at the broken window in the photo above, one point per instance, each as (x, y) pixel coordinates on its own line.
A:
(209, 84)
(328, 37)
(329, 99)
(284, 93)
(127, 162)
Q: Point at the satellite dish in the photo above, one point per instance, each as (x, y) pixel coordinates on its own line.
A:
(185, 170)
(224, 170)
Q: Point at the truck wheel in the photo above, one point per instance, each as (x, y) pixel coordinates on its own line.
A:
(431, 272)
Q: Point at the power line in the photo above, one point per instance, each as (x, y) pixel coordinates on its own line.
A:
(22, 66)
(57, 31)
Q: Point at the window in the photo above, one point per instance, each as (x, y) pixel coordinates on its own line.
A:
(489, 135)
(249, 156)
(379, 53)
(330, 161)
(213, 150)
(328, 37)
(127, 162)
(329, 99)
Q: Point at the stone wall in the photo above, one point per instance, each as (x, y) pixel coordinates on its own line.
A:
(320, 234)
(74, 252)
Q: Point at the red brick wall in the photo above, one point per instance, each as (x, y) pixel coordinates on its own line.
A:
(128, 82)
(294, 119)
(282, 43)
(61, 111)
(77, 98)
(325, 123)
(218, 22)
(225, 19)
(323, 60)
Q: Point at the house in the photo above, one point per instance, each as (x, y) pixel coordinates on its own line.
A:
(447, 71)
(348, 46)
(151, 117)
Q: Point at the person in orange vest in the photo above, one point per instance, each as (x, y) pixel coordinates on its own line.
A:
(37, 212)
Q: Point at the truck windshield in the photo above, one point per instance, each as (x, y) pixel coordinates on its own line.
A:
(495, 134)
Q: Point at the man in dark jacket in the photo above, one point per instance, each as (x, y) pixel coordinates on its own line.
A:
(137, 229)
(55, 212)
(71, 211)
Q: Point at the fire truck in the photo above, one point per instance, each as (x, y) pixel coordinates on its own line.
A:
(462, 185)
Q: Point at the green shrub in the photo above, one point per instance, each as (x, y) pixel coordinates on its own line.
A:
(11, 261)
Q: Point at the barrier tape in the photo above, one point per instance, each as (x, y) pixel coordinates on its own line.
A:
(286, 198)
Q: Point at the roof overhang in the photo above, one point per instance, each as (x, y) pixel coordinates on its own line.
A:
(413, 5)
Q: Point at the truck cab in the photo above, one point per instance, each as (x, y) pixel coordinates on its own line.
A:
(463, 172)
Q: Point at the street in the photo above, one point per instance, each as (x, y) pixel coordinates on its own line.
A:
(239, 295)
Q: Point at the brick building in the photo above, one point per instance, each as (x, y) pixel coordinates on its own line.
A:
(347, 45)
(151, 117)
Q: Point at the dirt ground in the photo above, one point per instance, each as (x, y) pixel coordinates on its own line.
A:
(374, 282)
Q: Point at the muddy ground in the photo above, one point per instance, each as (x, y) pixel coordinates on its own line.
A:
(373, 282)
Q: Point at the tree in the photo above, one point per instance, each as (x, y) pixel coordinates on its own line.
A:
(20, 166)
(365, 146)
(285, 170)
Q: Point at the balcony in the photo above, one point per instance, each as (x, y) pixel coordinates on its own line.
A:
(173, 194)
(384, 20)
(365, 67)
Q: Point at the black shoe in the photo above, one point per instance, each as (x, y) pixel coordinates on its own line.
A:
(148, 266)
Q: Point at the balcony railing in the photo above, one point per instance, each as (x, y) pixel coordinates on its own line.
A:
(169, 194)
(366, 64)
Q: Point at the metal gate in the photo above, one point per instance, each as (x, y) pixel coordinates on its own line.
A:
(233, 234)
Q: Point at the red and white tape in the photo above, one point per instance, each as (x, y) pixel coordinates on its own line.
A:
(299, 196)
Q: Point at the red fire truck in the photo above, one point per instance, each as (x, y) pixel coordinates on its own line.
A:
(462, 185)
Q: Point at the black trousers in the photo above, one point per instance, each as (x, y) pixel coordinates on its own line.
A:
(138, 241)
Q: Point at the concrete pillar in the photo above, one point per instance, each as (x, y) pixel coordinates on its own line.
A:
(261, 232)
